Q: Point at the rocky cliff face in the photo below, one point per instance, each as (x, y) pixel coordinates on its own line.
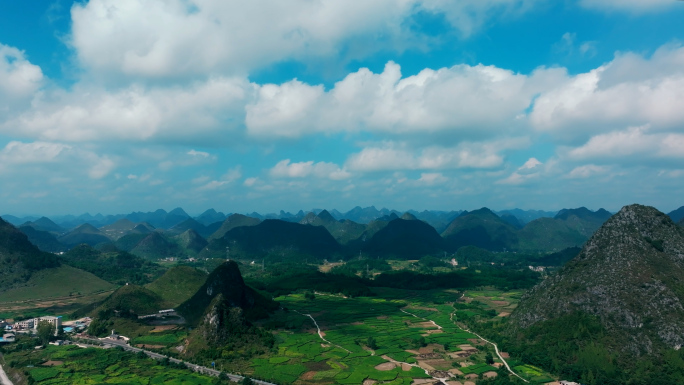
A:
(630, 275)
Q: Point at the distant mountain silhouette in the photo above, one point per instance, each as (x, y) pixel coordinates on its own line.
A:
(405, 239)
(275, 237)
(233, 221)
(84, 233)
(343, 231)
(210, 216)
(45, 224)
(481, 228)
(156, 246)
(43, 240)
(677, 215)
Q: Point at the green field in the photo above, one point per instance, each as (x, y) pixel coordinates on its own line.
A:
(77, 366)
(346, 357)
(63, 281)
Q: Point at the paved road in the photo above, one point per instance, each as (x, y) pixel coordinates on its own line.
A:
(4, 380)
(196, 368)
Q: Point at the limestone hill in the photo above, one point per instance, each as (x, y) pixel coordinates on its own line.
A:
(191, 242)
(43, 240)
(343, 231)
(628, 282)
(227, 282)
(233, 221)
(279, 239)
(178, 284)
(405, 239)
(132, 299)
(156, 246)
(481, 228)
(19, 258)
(84, 233)
(677, 215)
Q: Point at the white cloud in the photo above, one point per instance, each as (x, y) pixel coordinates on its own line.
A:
(530, 170)
(629, 91)
(19, 79)
(201, 154)
(464, 99)
(634, 6)
(229, 177)
(431, 178)
(146, 38)
(586, 171)
(393, 156)
(15, 156)
(135, 113)
(635, 141)
(285, 169)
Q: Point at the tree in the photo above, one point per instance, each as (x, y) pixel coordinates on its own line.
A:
(372, 344)
(489, 359)
(45, 331)
(247, 381)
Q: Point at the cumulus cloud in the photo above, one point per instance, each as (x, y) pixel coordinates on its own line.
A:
(19, 79)
(146, 38)
(135, 113)
(629, 91)
(285, 169)
(398, 156)
(462, 98)
(634, 141)
(432, 178)
(15, 156)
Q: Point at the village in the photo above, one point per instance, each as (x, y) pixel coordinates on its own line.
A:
(10, 328)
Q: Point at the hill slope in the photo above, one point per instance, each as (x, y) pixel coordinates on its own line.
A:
(19, 258)
(85, 233)
(133, 299)
(43, 240)
(233, 221)
(343, 231)
(406, 239)
(481, 228)
(178, 284)
(279, 239)
(677, 215)
(627, 284)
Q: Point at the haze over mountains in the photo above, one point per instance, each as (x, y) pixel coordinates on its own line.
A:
(318, 234)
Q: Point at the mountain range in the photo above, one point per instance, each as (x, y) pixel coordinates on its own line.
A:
(159, 234)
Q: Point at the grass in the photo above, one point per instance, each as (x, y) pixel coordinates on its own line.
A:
(178, 284)
(93, 366)
(63, 281)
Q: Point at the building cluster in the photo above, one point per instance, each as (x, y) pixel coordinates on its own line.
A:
(10, 327)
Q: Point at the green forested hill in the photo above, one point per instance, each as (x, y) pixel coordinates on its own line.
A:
(404, 239)
(343, 231)
(481, 228)
(19, 258)
(233, 221)
(85, 233)
(118, 267)
(620, 300)
(178, 284)
(43, 240)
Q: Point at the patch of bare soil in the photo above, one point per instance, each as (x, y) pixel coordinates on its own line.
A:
(308, 376)
(501, 303)
(456, 372)
(468, 383)
(422, 381)
(466, 347)
(52, 363)
(434, 331)
(438, 363)
(454, 383)
(476, 341)
(412, 351)
(406, 367)
(162, 328)
(424, 325)
(425, 365)
(490, 374)
(504, 314)
(439, 374)
(357, 323)
(369, 382)
(505, 355)
(386, 366)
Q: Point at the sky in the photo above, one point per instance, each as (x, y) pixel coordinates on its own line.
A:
(114, 106)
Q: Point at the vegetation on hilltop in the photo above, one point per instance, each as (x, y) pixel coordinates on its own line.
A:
(19, 258)
(178, 284)
(85, 233)
(118, 267)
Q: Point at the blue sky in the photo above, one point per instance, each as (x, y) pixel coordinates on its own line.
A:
(120, 105)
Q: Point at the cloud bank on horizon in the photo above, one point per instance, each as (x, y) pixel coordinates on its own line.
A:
(111, 106)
